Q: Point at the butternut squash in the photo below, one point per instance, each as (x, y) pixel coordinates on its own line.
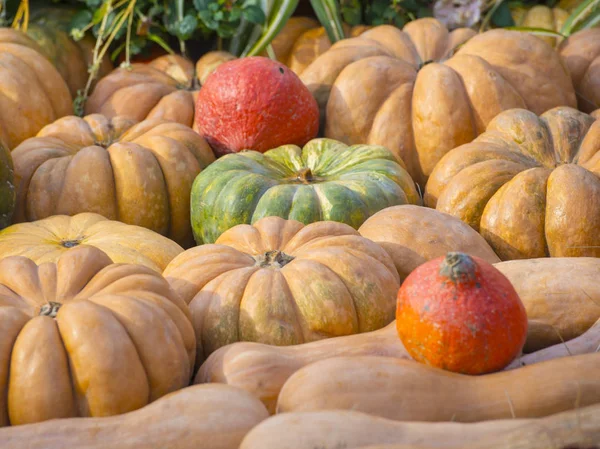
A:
(407, 391)
(198, 417)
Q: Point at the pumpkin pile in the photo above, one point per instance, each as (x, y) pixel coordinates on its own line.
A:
(388, 241)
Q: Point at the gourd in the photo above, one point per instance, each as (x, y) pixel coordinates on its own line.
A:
(541, 16)
(198, 417)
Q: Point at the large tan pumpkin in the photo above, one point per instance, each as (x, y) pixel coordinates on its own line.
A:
(404, 89)
(47, 240)
(412, 235)
(530, 185)
(581, 54)
(32, 91)
(165, 88)
(86, 337)
(139, 174)
(282, 283)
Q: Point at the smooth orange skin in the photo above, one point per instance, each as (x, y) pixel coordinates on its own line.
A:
(474, 324)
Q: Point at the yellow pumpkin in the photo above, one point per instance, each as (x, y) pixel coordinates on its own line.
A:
(541, 16)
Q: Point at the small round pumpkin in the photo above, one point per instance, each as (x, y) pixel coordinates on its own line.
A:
(139, 174)
(325, 180)
(282, 283)
(86, 337)
(459, 313)
(46, 240)
(541, 16)
(530, 185)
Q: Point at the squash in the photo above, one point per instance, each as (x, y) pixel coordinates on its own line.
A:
(262, 369)
(47, 240)
(198, 417)
(282, 283)
(325, 180)
(7, 187)
(165, 88)
(561, 296)
(139, 174)
(547, 165)
(459, 313)
(412, 235)
(33, 91)
(353, 430)
(209, 62)
(581, 54)
(541, 16)
(49, 27)
(402, 90)
(109, 337)
(407, 391)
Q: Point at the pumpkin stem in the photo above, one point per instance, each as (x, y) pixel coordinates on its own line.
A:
(305, 176)
(274, 258)
(50, 309)
(458, 267)
(70, 243)
(423, 64)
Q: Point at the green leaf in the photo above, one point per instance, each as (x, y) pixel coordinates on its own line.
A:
(424, 12)
(328, 13)
(254, 14)
(81, 19)
(279, 14)
(201, 4)
(502, 16)
(186, 27)
(207, 18)
(100, 13)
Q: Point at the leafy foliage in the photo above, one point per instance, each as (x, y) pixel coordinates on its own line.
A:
(379, 12)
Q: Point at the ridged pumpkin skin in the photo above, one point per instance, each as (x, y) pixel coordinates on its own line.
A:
(581, 54)
(404, 89)
(8, 192)
(166, 88)
(109, 338)
(46, 240)
(282, 283)
(541, 16)
(548, 166)
(461, 314)
(139, 174)
(32, 91)
(325, 180)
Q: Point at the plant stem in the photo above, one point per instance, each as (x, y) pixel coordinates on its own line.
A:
(180, 10)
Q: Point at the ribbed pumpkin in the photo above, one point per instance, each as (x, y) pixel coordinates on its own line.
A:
(404, 89)
(282, 283)
(165, 88)
(86, 337)
(581, 54)
(530, 185)
(46, 240)
(32, 91)
(139, 174)
(7, 187)
(325, 180)
(541, 16)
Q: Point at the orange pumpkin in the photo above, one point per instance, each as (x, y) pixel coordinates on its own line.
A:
(461, 314)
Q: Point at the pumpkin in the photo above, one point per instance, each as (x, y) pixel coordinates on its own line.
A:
(139, 174)
(403, 90)
(49, 27)
(198, 417)
(353, 430)
(209, 62)
(548, 166)
(262, 369)
(581, 54)
(412, 235)
(109, 337)
(33, 91)
(561, 296)
(541, 16)
(407, 391)
(326, 180)
(282, 283)
(165, 88)
(7, 187)
(461, 314)
(47, 240)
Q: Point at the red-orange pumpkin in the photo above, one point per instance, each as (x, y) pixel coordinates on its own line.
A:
(461, 314)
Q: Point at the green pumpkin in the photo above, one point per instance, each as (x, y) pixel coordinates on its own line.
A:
(7, 187)
(324, 181)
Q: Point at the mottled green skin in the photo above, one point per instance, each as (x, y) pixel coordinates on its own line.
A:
(7, 187)
(350, 184)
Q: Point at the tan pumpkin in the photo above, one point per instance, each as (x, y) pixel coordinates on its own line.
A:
(86, 337)
(548, 166)
(412, 235)
(581, 54)
(404, 390)
(33, 93)
(165, 88)
(198, 417)
(47, 240)
(282, 283)
(541, 16)
(404, 89)
(353, 430)
(139, 174)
